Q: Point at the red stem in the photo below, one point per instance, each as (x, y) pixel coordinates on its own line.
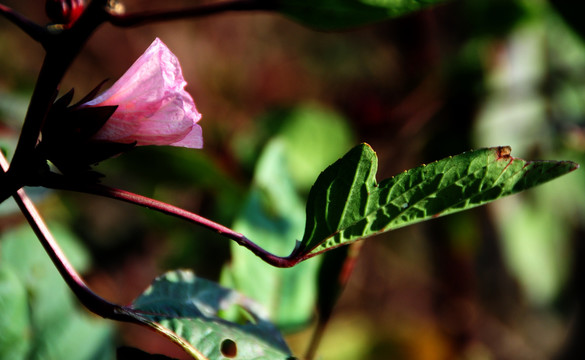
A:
(128, 197)
(88, 298)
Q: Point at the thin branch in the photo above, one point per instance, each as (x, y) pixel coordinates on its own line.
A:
(62, 48)
(128, 197)
(35, 31)
(142, 18)
(88, 298)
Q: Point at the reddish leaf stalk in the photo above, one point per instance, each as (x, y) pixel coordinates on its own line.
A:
(128, 197)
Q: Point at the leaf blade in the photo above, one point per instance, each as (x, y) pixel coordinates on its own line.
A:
(186, 309)
(446, 186)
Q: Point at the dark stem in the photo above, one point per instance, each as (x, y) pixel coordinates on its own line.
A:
(35, 31)
(128, 197)
(316, 339)
(137, 19)
(43, 96)
(88, 298)
(84, 294)
(62, 47)
(334, 273)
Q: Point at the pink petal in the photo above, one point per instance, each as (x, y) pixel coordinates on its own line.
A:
(153, 107)
(193, 140)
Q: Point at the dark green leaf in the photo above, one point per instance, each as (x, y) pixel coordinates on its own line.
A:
(188, 311)
(340, 14)
(346, 203)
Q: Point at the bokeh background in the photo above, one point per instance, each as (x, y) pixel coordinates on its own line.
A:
(497, 282)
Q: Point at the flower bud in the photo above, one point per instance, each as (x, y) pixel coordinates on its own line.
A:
(148, 105)
(153, 107)
(64, 12)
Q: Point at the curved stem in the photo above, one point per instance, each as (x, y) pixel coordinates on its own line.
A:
(142, 18)
(35, 31)
(88, 298)
(128, 197)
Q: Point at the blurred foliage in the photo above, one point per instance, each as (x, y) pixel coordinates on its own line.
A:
(40, 319)
(273, 217)
(537, 96)
(343, 14)
(306, 131)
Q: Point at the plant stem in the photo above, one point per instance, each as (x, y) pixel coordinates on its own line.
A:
(35, 31)
(126, 196)
(335, 270)
(42, 98)
(88, 298)
(316, 339)
(142, 18)
(62, 47)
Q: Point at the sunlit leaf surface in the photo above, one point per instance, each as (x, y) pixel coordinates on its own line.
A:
(192, 312)
(346, 203)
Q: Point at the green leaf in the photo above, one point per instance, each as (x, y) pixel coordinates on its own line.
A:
(37, 305)
(346, 204)
(14, 317)
(188, 310)
(272, 216)
(341, 14)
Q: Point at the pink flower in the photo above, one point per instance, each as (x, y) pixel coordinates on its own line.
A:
(153, 106)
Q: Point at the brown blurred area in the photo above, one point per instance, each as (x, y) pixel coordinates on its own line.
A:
(438, 290)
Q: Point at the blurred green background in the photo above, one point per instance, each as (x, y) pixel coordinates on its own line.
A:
(497, 282)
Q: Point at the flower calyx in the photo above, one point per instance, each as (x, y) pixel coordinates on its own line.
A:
(148, 105)
(67, 137)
